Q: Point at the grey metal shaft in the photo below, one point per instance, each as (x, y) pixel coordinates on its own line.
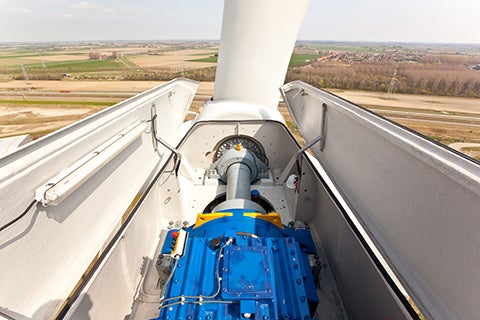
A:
(238, 182)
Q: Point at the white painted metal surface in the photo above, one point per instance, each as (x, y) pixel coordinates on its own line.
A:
(415, 201)
(122, 276)
(67, 181)
(237, 110)
(10, 144)
(418, 200)
(256, 44)
(45, 254)
(173, 198)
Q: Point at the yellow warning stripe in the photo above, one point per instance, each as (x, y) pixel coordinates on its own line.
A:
(273, 217)
(207, 217)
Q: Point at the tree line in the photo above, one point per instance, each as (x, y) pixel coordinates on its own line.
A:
(443, 75)
(434, 74)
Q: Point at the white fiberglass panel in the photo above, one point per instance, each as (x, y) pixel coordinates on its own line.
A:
(418, 200)
(44, 254)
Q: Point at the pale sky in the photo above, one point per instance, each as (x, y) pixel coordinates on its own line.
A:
(341, 20)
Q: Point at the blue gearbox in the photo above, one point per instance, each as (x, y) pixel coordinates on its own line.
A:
(239, 261)
(239, 265)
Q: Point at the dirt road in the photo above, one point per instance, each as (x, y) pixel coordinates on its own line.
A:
(410, 101)
(16, 87)
(42, 106)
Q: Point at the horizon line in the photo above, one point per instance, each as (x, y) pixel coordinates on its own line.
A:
(218, 41)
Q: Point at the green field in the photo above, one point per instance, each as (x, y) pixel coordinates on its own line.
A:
(26, 55)
(213, 59)
(297, 59)
(205, 54)
(301, 59)
(78, 64)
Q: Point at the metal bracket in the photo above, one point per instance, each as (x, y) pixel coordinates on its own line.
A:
(295, 156)
(153, 117)
(323, 129)
(156, 140)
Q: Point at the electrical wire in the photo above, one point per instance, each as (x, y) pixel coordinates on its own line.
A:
(248, 234)
(164, 288)
(217, 267)
(217, 275)
(196, 302)
(23, 214)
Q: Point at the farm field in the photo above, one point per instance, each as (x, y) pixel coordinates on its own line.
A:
(46, 87)
(43, 108)
(175, 59)
(111, 61)
(452, 121)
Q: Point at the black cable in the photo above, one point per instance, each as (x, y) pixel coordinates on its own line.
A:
(19, 217)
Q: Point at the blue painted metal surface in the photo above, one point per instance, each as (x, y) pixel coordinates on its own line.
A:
(240, 267)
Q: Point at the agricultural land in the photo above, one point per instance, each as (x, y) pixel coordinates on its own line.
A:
(432, 89)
